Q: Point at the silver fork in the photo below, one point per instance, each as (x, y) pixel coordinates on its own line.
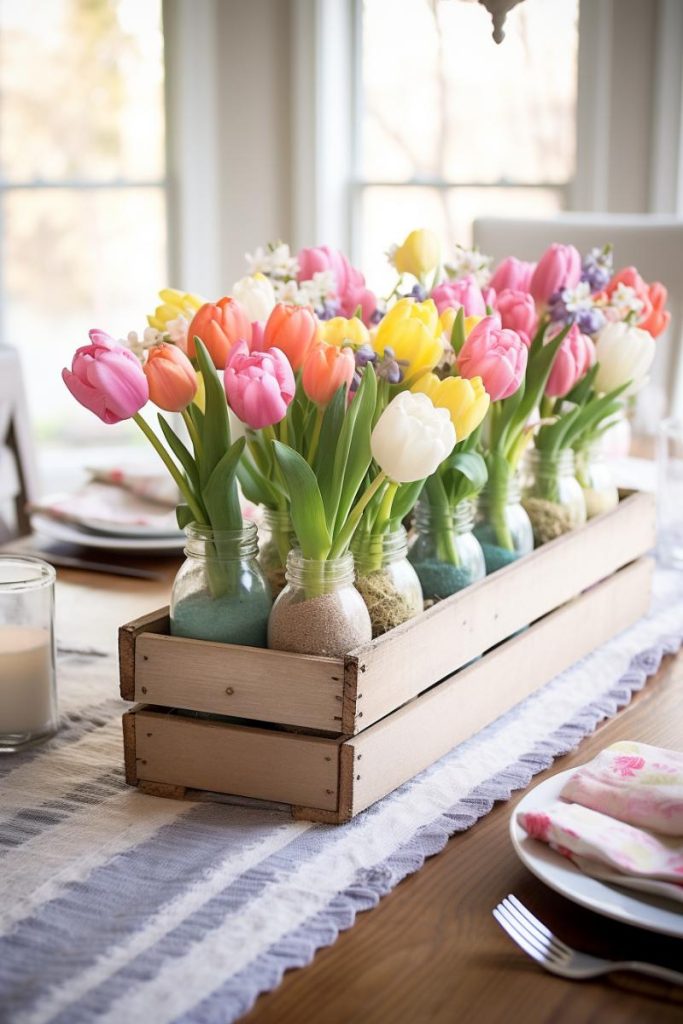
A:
(559, 958)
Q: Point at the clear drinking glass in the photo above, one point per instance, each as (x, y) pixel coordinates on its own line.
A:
(28, 697)
(670, 493)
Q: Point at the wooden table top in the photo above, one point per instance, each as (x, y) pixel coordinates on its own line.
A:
(431, 951)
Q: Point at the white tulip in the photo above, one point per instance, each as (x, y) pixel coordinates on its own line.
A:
(412, 437)
(255, 293)
(625, 353)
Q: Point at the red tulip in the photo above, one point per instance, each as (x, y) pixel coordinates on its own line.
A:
(219, 325)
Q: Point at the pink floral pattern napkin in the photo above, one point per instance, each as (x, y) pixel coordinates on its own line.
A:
(620, 818)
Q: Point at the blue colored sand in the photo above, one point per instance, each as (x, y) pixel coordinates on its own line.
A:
(232, 619)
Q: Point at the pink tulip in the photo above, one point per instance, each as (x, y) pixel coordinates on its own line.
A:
(574, 357)
(464, 292)
(258, 333)
(513, 273)
(559, 267)
(357, 295)
(107, 379)
(259, 385)
(321, 258)
(517, 312)
(497, 355)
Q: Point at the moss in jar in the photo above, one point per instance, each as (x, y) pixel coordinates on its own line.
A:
(388, 607)
(549, 520)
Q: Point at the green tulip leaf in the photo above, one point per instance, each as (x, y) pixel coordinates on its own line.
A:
(329, 436)
(255, 486)
(183, 516)
(215, 426)
(404, 500)
(220, 492)
(353, 455)
(306, 503)
(181, 452)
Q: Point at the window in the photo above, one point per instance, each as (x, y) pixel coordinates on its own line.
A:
(434, 150)
(82, 189)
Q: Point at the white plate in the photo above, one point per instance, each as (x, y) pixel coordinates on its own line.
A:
(74, 535)
(642, 910)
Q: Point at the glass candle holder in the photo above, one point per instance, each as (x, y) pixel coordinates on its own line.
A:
(28, 698)
(670, 493)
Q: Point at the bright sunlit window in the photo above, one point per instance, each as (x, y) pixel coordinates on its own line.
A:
(435, 150)
(82, 188)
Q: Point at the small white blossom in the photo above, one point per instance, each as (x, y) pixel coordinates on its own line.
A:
(391, 254)
(138, 345)
(177, 331)
(624, 300)
(470, 261)
(579, 298)
(275, 261)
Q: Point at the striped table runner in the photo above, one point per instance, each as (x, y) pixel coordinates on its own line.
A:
(116, 906)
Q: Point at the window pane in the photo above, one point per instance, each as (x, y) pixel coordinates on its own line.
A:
(75, 260)
(81, 88)
(443, 101)
(388, 214)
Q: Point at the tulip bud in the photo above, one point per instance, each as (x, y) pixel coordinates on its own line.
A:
(513, 274)
(256, 295)
(171, 378)
(624, 354)
(659, 318)
(413, 332)
(574, 357)
(412, 438)
(497, 355)
(465, 400)
(559, 267)
(219, 325)
(517, 312)
(326, 369)
(107, 379)
(292, 329)
(258, 385)
(464, 292)
(340, 331)
(419, 254)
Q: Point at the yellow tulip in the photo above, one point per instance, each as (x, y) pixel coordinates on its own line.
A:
(471, 322)
(174, 304)
(412, 330)
(340, 331)
(419, 255)
(466, 400)
(446, 321)
(200, 397)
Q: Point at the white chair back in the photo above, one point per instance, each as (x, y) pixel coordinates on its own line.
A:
(18, 476)
(652, 242)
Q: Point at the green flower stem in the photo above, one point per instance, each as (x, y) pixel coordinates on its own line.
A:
(346, 533)
(442, 520)
(194, 434)
(317, 427)
(384, 514)
(172, 468)
(269, 435)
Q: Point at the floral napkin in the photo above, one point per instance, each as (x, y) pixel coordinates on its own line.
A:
(620, 818)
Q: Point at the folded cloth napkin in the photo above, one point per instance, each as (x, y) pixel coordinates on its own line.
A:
(103, 507)
(633, 782)
(159, 488)
(620, 818)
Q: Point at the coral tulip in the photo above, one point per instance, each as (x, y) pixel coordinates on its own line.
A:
(413, 332)
(256, 295)
(340, 331)
(464, 292)
(412, 438)
(497, 355)
(517, 311)
(219, 325)
(258, 385)
(559, 267)
(326, 369)
(175, 304)
(466, 400)
(171, 378)
(624, 353)
(292, 329)
(419, 254)
(659, 318)
(107, 379)
(514, 274)
(574, 357)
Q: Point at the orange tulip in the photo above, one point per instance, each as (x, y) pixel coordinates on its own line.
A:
(171, 378)
(326, 368)
(292, 329)
(659, 318)
(219, 325)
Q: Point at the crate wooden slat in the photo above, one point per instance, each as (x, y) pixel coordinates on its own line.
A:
(344, 697)
(329, 779)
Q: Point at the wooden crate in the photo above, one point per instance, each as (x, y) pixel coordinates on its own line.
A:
(331, 736)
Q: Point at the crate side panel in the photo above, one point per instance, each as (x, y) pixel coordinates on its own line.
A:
(244, 682)
(247, 761)
(153, 622)
(407, 661)
(412, 738)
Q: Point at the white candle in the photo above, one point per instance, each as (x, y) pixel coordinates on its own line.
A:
(26, 689)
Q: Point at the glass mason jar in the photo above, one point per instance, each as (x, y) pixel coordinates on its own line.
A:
(386, 580)
(319, 611)
(596, 479)
(220, 592)
(28, 698)
(276, 538)
(445, 553)
(502, 526)
(551, 494)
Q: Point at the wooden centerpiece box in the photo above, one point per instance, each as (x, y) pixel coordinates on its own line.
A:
(328, 737)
